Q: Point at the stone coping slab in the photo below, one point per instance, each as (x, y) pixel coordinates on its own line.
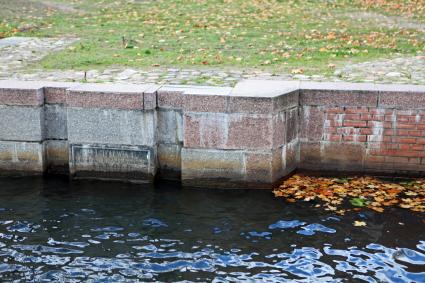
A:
(108, 95)
(252, 96)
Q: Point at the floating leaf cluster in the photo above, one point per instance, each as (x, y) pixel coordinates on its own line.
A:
(333, 194)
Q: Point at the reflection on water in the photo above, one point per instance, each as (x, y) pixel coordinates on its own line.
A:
(95, 231)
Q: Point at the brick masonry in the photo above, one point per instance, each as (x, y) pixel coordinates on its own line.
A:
(248, 136)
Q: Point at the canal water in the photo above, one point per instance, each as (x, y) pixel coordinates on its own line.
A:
(53, 230)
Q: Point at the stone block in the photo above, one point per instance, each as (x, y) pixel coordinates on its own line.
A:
(279, 129)
(129, 163)
(311, 123)
(402, 100)
(291, 125)
(110, 96)
(170, 98)
(291, 157)
(23, 157)
(169, 161)
(228, 131)
(205, 103)
(55, 92)
(21, 123)
(250, 131)
(57, 156)
(259, 166)
(264, 88)
(210, 164)
(332, 156)
(256, 105)
(310, 156)
(338, 98)
(338, 94)
(21, 93)
(170, 126)
(205, 130)
(111, 126)
(286, 101)
(55, 121)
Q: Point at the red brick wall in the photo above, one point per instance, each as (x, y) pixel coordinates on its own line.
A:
(387, 139)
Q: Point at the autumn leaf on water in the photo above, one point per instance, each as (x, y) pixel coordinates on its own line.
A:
(359, 223)
(357, 202)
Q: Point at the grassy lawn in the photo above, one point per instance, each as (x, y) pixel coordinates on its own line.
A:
(304, 36)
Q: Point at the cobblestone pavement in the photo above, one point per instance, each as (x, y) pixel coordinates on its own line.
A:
(17, 53)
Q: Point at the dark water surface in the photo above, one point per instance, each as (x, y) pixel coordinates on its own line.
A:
(53, 230)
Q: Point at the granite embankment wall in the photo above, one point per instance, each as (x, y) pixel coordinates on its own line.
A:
(247, 136)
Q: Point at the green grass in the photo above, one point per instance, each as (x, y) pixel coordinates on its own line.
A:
(298, 36)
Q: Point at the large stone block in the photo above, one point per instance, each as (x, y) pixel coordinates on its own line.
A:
(291, 124)
(55, 122)
(279, 129)
(110, 96)
(311, 123)
(338, 94)
(23, 157)
(170, 126)
(57, 156)
(206, 130)
(250, 131)
(21, 123)
(332, 156)
(111, 126)
(259, 166)
(401, 96)
(21, 93)
(129, 163)
(228, 131)
(205, 165)
(263, 96)
(169, 161)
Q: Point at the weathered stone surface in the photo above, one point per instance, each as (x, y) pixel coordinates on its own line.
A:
(21, 123)
(55, 92)
(131, 163)
(279, 129)
(311, 123)
(338, 98)
(170, 126)
(206, 130)
(402, 100)
(310, 155)
(21, 93)
(286, 101)
(176, 97)
(332, 156)
(111, 96)
(205, 103)
(55, 121)
(264, 88)
(228, 131)
(250, 131)
(291, 125)
(24, 157)
(259, 167)
(212, 164)
(111, 126)
(256, 105)
(170, 97)
(338, 94)
(57, 156)
(169, 161)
